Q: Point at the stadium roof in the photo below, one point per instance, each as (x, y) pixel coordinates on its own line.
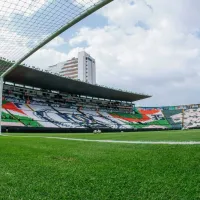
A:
(40, 79)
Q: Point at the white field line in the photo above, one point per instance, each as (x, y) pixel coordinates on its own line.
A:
(115, 141)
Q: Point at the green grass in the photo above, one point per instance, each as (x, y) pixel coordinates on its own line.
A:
(40, 168)
(186, 135)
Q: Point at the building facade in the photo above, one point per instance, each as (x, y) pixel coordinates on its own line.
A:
(83, 68)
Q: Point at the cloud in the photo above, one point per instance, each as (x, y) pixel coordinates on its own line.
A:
(14, 41)
(154, 13)
(160, 56)
(46, 57)
(56, 42)
(86, 3)
(127, 13)
(12, 45)
(25, 8)
(49, 56)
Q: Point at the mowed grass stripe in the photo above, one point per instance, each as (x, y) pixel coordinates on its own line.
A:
(179, 135)
(115, 141)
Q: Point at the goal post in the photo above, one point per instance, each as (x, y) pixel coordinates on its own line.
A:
(183, 113)
(27, 26)
(1, 92)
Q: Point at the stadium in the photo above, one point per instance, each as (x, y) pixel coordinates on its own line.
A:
(29, 102)
(72, 105)
(64, 138)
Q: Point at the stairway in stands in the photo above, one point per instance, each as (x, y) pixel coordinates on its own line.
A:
(86, 120)
(14, 117)
(29, 107)
(109, 119)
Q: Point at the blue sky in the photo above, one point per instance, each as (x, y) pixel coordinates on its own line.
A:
(93, 21)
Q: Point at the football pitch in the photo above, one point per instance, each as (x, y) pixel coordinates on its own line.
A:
(140, 165)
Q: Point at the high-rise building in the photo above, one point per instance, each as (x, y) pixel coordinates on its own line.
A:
(83, 68)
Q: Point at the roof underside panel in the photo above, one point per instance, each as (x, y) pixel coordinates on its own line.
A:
(32, 77)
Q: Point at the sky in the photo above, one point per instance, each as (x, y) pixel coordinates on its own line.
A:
(144, 46)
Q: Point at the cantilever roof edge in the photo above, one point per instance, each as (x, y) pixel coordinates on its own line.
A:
(35, 78)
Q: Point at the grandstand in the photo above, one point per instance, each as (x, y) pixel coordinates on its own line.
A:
(27, 26)
(32, 99)
(31, 102)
